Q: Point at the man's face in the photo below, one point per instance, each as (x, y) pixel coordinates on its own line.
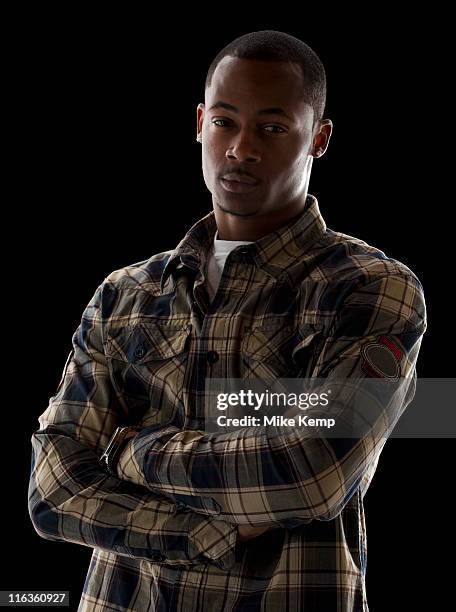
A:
(264, 136)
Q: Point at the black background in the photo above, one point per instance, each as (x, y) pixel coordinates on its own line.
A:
(105, 171)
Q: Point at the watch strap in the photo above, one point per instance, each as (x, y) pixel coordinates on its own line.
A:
(116, 445)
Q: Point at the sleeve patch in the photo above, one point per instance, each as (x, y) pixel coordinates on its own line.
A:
(381, 358)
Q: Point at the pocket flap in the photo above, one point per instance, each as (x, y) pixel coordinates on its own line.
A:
(265, 343)
(145, 342)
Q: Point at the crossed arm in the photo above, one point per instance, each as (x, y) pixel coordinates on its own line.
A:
(262, 477)
(72, 498)
(181, 495)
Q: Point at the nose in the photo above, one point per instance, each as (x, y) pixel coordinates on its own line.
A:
(243, 150)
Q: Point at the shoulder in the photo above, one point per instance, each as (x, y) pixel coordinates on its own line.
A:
(345, 273)
(127, 291)
(348, 258)
(142, 275)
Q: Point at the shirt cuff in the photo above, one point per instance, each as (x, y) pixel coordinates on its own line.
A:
(211, 539)
(128, 467)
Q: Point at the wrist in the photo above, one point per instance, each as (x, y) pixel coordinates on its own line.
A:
(116, 445)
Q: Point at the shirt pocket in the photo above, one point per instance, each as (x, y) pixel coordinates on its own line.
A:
(279, 352)
(148, 363)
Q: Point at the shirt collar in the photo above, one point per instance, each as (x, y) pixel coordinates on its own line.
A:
(274, 252)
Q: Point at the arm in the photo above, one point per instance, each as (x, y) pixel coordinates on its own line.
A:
(260, 477)
(72, 498)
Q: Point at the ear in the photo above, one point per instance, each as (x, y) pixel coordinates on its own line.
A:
(321, 138)
(199, 121)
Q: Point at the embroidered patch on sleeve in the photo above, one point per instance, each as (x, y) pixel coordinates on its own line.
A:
(382, 358)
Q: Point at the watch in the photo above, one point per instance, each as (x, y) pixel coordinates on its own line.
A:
(116, 445)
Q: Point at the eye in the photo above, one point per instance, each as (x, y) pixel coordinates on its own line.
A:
(265, 127)
(275, 126)
(218, 120)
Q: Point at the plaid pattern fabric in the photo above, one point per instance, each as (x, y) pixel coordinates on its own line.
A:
(303, 301)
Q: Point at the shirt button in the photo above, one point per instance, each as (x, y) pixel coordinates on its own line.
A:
(212, 356)
(158, 557)
(244, 253)
(140, 351)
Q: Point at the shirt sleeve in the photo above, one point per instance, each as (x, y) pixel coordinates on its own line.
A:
(260, 476)
(72, 498)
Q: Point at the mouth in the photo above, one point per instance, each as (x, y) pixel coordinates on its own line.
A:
(239, 186)
(245, 177)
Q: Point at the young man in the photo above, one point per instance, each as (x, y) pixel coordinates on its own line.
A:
(183, 519)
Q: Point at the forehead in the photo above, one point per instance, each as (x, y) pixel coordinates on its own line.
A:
(253, 83)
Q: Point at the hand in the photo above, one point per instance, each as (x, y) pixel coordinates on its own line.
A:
(246, 532)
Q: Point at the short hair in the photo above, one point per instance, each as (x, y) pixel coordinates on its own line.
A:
(271, 45)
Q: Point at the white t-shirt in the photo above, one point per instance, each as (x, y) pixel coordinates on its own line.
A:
(216, 262)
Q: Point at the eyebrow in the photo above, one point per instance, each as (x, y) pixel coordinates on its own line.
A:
(273, 110)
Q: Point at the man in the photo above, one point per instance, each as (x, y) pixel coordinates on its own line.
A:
(183, 519)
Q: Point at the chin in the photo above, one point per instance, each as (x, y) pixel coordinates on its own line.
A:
(238, 209)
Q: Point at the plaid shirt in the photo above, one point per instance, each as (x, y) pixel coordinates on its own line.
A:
(302, 301)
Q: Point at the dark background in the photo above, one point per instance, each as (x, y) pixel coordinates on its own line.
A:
(105, 171)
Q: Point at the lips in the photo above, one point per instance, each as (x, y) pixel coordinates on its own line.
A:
(240, 178)
(238, 187)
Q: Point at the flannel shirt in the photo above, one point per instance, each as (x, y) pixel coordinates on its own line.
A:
(302, 301)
